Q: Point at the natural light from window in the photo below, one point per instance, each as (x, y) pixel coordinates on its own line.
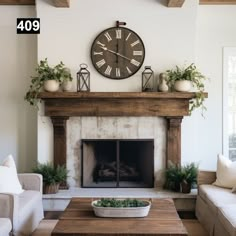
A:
(230, 102)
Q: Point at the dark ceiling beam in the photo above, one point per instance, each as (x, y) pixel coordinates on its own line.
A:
(175, 3)
(61, 3)
(17, 2)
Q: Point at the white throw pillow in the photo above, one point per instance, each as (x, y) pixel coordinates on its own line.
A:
(226, 172)
(9, 182)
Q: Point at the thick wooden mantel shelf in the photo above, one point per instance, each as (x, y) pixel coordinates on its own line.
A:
(116, 103)
(62, 105)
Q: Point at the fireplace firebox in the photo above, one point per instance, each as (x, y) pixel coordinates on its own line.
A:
(117, 163)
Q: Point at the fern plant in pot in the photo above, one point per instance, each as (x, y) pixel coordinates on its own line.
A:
(181, 178)
(184, 80)
(189, 177)
(52, 176)
(47, 77)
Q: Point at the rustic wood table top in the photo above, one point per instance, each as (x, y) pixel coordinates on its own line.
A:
(79, 219)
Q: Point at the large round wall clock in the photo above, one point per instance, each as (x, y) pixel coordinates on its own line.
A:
(117, 53)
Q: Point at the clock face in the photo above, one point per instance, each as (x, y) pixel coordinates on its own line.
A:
(117, 53)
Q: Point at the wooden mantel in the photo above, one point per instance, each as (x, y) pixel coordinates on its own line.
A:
(116, 104)
(62, 105)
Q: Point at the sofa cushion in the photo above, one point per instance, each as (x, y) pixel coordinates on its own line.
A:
(5, 226)
(9, 182)
(216, 196)
(226, 172)
(227, 217)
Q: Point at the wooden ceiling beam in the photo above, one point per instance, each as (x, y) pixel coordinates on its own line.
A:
(175, 3)
(61, 3)
(217, 2)
(17, 2)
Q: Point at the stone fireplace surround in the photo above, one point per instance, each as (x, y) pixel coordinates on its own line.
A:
(116, 115)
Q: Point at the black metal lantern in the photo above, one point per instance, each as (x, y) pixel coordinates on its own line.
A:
(83, 79)
(148, 79)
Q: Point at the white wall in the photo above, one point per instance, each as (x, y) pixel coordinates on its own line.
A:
(171, 36)
(18, 121)
(215, 30)
(67, 35)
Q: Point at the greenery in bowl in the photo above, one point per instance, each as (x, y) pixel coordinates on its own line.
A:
(112, 202)
(51, 174)
(177, 175)
(45, 72)
(189, 73)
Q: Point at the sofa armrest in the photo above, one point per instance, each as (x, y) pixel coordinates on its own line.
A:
(206, 177)
(9, 205)
(31, 181)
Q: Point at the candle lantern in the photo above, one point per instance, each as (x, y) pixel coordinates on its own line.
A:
(148, 79)
(83, 79)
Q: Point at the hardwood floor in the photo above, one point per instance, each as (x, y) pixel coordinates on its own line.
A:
(193, 227)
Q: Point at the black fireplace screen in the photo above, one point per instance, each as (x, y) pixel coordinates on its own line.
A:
(117, 163)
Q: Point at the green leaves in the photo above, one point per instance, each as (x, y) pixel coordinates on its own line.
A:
(192, 74)
(111, 202)
(175, 174)
(51, 174)
(45, 72)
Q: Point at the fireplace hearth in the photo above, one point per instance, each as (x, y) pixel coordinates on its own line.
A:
(117, 163)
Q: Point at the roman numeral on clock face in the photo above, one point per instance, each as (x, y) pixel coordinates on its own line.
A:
(108, 70)
(129, 71)
(117, 72)
(135, 43)
(137, 53)
(100, 63)
(98, 53)
(134, 62)
(118, 33)
(101, 44)
(127, 36)
(108, 36)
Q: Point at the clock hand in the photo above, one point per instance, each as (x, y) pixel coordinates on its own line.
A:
(118, 54)
(123, 56)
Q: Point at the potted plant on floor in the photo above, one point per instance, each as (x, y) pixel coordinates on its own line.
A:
(52, 176)
(186, 78)
(47, 77)
(181, 178)
(173, 177)
(189, 177)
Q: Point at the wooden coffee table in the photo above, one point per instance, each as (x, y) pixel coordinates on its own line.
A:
(79, 219)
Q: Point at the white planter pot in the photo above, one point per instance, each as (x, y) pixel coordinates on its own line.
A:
(183, 86)
(51, 85)
(67, 86)
(122, 211)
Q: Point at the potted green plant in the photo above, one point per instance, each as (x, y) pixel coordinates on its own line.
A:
(52, 176)
(173, 177)
(189, 177)
(181, 178)
(186, 78)
(47, 77)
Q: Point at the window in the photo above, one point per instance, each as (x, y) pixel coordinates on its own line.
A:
(229, 102)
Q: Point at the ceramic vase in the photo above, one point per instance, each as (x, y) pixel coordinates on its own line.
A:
(183, 85)
(163, 87)
(67, 86)
(51, 85)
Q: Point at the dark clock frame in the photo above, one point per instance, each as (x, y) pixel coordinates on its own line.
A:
(124, 49)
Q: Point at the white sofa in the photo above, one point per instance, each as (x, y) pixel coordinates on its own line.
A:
(25, 210)
(5, 226)
(215, 206)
